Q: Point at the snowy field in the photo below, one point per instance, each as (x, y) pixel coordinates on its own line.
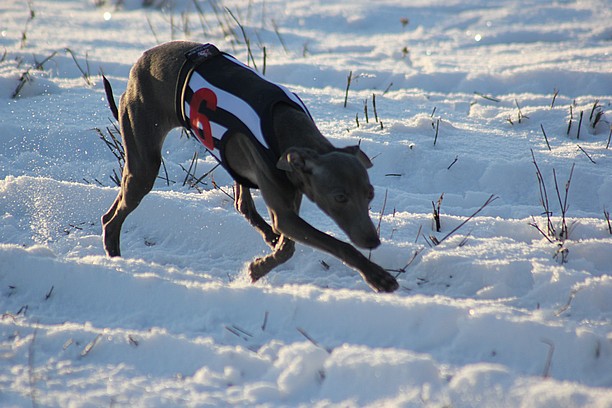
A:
(513, 309)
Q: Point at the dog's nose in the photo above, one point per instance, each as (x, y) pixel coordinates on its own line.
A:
(375, 243)
(371, 242)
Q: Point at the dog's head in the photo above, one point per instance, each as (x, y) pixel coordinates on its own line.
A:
(338, 183)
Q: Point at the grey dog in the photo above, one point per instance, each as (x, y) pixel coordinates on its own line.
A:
(264, 137)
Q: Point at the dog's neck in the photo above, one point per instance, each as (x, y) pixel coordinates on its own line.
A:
(293, 128)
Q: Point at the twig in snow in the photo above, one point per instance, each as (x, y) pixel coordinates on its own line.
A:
(280, 38)
(436, 213)
(465, 239)
(596, 114)
(84, 73)
(235, 332)
(265, 321)
(24, 33)
(265, 58)
(201, 16)
(132, 341)
(23, 79)
(521, 116)
(537, 227)
(114, 144)
(348, 85)
(587, 155)
(246, 333)
(49, 293)
(552, 104)
(40, 65)
(410, 261)
(382, 213)
(91, 345)
(313, 341)
(489, 98)
(453, 163)
(26, 77)
(569, 124)
(199, 180)
(567, 305)
(418, 234)
(153, 30)
(545, 137)
(428, 242)
(563, 205)
(551, 350)
(167, 178)
(607, 217)
(387, 88)
(23, 310)
(482, 207)
(245, 37)
(193, 163)
(543, 201)
(437, 128)
(561, 254)
(222, 20)
(216, 186)
(67, 344)
(579, 125)
(374, 107)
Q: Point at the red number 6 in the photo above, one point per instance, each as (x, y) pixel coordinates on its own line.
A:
(199, 119)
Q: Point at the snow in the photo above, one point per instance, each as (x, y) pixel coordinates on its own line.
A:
(497, 314)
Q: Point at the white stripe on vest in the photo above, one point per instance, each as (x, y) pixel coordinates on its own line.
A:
(230, 103)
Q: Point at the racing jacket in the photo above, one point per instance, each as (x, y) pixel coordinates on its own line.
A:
(218, 96)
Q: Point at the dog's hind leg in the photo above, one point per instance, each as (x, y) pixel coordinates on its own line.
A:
(282, 253)
(247, 161)
(283, 250)
(243, 202)
(141, 168)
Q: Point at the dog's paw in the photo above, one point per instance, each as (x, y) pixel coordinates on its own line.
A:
(258, 269)
(380, 280)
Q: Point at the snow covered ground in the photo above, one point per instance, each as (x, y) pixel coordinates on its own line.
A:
(497, 314)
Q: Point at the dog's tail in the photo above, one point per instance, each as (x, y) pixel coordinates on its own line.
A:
(110, 98)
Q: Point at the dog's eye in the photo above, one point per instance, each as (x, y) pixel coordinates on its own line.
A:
(341, 198)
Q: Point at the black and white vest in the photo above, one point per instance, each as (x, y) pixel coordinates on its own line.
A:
(217, 96)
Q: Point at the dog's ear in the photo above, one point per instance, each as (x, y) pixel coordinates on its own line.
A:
(361, 156)
(297, 158)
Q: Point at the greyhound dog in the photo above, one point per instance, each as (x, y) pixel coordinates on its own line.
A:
(281, 152)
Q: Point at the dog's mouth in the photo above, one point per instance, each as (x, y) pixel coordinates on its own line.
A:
(362, 234)
(368, 242)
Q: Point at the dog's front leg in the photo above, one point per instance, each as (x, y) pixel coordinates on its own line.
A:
(291, 225)
(243, 202)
